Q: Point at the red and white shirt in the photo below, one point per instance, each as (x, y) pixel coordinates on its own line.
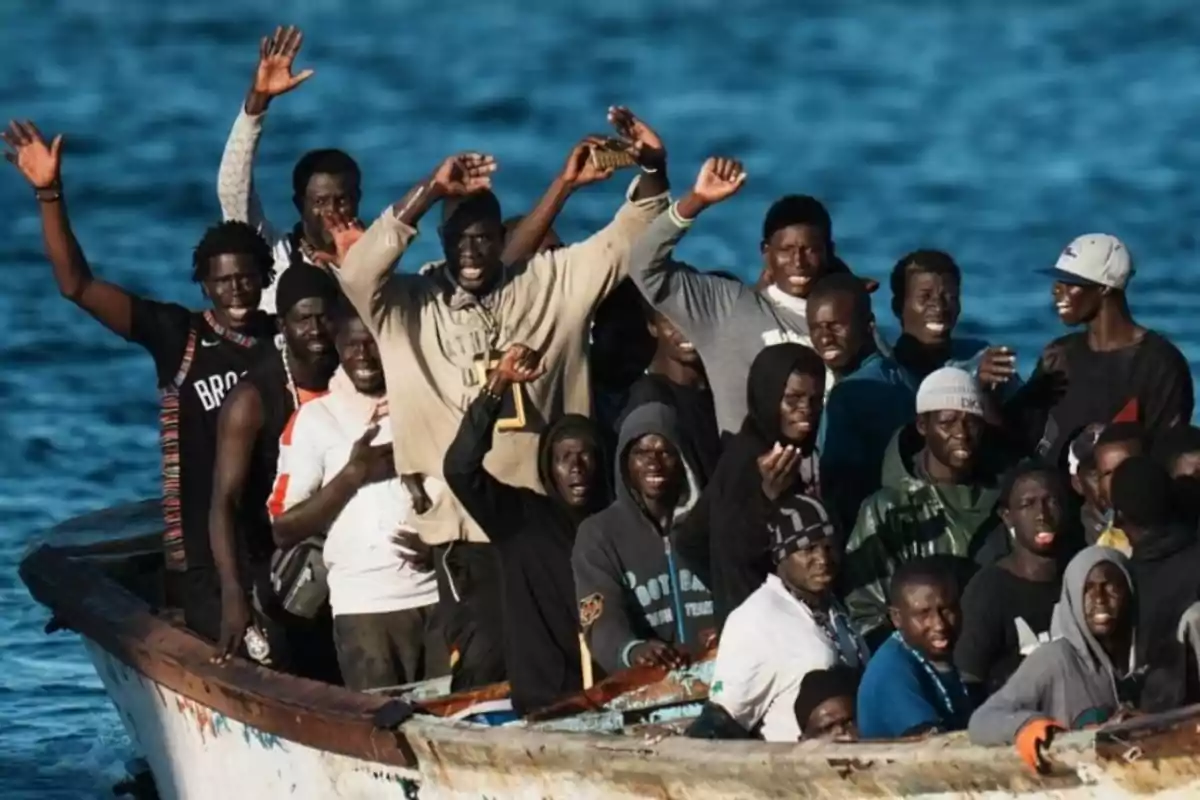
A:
(369, 573)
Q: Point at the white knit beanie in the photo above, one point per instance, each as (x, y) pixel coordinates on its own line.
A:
(949, 389)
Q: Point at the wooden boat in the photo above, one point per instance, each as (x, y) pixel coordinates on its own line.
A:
(238, 730)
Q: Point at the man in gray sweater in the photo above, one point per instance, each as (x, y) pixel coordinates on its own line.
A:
(1080, 678)
(728, 321)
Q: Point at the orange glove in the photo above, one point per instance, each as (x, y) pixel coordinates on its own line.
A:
(1033, 739)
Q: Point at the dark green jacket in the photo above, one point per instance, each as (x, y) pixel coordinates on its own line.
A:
(908, 519)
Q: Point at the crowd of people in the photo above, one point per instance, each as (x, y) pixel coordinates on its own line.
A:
(545, 462)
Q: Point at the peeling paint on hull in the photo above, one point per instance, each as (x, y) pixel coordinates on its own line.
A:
(240, 731)
(198, 752)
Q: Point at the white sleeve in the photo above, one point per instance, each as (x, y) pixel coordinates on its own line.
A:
(301, 469)
(743, 679)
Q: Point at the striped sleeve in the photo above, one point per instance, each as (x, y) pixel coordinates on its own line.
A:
(301, 468)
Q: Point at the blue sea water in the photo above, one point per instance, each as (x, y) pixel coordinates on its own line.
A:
(995, 131)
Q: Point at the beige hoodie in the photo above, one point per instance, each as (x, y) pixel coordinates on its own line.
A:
(434, 339)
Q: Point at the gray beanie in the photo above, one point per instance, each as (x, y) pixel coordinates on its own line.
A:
(950, 389)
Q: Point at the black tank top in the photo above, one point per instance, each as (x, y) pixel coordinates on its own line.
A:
(214, 359)
(278, 406)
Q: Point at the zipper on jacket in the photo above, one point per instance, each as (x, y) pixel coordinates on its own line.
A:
(673, 579)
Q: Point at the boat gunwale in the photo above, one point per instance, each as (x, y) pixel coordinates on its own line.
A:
(93, 603)
(86, 600)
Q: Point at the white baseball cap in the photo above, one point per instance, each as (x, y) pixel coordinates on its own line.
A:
(1094, 259)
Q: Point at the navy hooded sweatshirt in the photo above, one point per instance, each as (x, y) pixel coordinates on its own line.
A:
(630, 585)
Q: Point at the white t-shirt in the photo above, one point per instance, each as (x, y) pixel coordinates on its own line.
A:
(769, 643)
(368, 572)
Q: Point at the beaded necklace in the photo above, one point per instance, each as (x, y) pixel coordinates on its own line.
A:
(281, 345)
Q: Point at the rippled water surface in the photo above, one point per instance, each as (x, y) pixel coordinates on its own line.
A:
(995, 133)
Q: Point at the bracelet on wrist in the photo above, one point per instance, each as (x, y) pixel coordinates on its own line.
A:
(48, 194)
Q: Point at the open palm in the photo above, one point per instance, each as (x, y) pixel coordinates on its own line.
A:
(719, 178)
(465, 174)
(276, 55)
(38, 162)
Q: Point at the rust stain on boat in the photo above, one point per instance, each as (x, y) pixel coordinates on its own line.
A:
(1146, 756)
(307, 712)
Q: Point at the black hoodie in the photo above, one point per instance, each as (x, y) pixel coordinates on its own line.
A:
(1166, 571)
(628, 581)
(726, 542)
(534, 535)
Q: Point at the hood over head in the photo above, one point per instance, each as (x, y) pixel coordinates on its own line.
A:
(1068, 621)
(769, 374)
(572, 426)
(646, 419)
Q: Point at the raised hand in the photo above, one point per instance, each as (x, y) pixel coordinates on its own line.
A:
(345, 232)
(38, 162)
(777, 467)
(645, 145)
(719, 179)
(276, 55)
(579, 169)
(463, 174)
(519, 364)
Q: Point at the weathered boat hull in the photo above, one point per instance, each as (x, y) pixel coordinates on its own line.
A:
(199, 752)
(239, 730)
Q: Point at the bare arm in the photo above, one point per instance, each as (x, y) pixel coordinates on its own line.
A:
(238, 427)
(41, 164)
(535, 225)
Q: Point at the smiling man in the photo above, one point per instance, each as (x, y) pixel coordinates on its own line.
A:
(251, 429)
(199, 356)
(337, 481)
(730, 322)
(322, 180)
(938, 497)
(1114, 367)
(637, 606)
(676, 378)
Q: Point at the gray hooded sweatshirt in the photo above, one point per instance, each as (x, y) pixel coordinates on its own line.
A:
(628, 580)
(1069, 679)
(727, 321)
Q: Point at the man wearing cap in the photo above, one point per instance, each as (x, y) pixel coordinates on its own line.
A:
(938, 498)
(1114, 367)
(789, 627)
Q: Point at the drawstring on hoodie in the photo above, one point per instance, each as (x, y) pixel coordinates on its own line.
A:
(449, 574)
(673, 579)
